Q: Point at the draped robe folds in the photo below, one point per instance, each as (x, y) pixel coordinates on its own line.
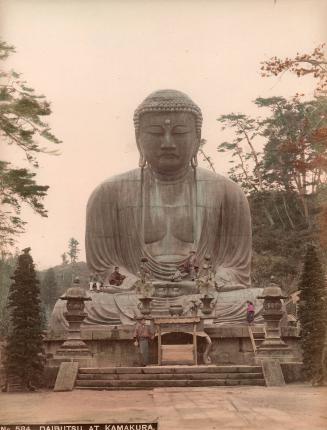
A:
(221, 226)
(118, 213)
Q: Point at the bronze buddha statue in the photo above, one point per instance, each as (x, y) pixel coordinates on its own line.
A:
(169, 206)
(162, 211)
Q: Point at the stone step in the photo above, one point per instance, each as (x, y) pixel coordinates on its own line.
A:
(102, 384)
(173, 369)
(258, 335)
(112, 388)
(167, 376)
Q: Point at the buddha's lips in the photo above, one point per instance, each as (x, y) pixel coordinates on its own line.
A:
(168, 155)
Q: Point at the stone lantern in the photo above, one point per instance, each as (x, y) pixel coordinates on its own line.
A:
(74, 347)
(145, 306)
(273, 346)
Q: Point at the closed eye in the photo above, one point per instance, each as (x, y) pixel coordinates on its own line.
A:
(155, 129)
(180, 129)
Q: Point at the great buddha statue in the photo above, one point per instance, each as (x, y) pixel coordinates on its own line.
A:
(165, 209)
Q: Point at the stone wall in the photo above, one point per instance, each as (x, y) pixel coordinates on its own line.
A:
(114, 347)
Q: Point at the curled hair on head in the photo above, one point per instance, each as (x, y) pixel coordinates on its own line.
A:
(168, 101)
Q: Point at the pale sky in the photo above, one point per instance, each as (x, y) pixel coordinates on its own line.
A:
(95, 61)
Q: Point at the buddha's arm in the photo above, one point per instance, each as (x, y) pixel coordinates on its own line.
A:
(104, 241)
(100, 230)
(236, 240)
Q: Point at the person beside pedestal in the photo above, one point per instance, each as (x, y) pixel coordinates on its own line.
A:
(143, 334)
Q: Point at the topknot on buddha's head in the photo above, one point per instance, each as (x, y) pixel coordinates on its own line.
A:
(168, 101)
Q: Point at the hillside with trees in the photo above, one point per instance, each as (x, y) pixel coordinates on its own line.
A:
(280, 161)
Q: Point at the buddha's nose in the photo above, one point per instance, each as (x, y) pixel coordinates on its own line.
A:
(168, 141)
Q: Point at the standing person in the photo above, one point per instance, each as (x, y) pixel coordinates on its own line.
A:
(143, 334)
(249, 312)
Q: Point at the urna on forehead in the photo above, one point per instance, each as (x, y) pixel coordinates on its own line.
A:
(168, 101)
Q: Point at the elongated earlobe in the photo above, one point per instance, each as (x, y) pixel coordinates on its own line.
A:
(194, 161)
(142, 161)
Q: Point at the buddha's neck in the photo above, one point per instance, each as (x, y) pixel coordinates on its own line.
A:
(171, 177)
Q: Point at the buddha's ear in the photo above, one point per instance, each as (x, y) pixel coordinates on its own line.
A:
(142, 160)
(197, 146)
(194, 159)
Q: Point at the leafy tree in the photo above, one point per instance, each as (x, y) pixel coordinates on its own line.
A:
(246, 159)
(22, 124)
(73, 250)
(277, 248)
(295, 155)
(313, 315)
(17, 186)
(49, 290)
(24, 351)
(314, 64)
(206, 157)
(280, 161)
(322, 217)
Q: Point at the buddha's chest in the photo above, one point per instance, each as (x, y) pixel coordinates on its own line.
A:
(169, 213)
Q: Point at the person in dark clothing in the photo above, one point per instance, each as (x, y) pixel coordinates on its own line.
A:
(116, 278)
(191, 266)
(143, 334)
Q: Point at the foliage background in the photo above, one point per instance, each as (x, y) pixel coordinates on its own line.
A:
(95, 61)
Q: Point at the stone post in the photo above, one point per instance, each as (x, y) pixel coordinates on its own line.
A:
(273, 346)
(74, 348)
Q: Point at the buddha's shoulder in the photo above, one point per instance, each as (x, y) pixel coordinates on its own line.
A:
(129, 176)
(216, 180)
(123, 178)
(115, 184)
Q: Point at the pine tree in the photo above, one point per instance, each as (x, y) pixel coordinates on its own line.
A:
(24, 350)
(312, 315)
(73, 249)
(7, 267)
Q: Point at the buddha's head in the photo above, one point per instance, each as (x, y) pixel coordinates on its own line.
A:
(168, 131)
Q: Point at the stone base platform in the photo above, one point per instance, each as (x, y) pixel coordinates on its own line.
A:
(113, 346)
(115, 378)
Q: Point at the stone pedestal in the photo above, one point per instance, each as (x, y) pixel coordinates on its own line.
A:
(273, 346)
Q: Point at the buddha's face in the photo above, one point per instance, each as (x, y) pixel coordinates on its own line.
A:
(168, 140)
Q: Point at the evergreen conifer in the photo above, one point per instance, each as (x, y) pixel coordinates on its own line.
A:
(313, 315)
(24, 350)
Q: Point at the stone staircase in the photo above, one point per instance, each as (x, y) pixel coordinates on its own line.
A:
(257, 335)
(133, 378)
